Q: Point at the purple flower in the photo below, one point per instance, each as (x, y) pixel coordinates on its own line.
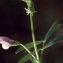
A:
(6, 42)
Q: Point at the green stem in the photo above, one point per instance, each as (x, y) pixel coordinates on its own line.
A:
(28, 51)
(33, 37)
(42, 51)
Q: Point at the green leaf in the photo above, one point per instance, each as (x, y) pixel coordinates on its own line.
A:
(27, 50)
(26, 57)
(28, 45)
(52, 29)
(52, 42)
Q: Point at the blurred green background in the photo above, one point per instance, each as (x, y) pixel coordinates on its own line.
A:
(14, 23)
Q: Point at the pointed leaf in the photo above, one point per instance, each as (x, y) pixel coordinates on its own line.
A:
(52, 42)
(26, 57)
(28, 45)
(52, 29)
(27, 50)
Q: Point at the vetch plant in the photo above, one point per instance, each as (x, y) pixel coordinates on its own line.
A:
(34, 55)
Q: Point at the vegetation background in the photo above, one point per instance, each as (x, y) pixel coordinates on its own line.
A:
(14, 23)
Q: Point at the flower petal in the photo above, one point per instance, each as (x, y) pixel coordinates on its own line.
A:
(6, 42)
(5, 47)
(6, 39)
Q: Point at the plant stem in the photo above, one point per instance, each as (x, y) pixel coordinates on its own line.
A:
(42, 52)
(28, 51)
(33, 37)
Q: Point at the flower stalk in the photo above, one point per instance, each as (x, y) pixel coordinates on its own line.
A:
(30, 11)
